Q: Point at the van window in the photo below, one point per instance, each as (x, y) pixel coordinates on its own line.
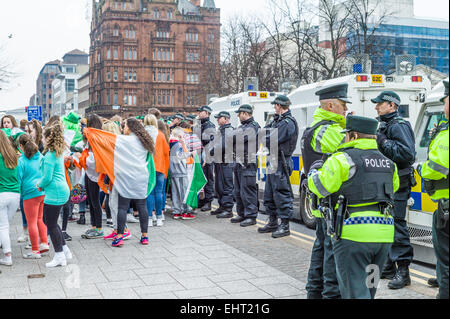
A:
(433, 120)
(403, 110)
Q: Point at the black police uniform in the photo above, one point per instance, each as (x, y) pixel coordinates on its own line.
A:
(223, 169)
(397, 142)
(245, 171)
(208, 169)
(278, 199)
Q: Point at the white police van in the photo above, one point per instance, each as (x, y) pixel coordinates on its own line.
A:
(362, 88)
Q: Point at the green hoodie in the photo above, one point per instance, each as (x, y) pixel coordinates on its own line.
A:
(71, 122)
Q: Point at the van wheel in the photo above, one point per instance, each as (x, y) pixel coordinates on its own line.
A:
(305, 207)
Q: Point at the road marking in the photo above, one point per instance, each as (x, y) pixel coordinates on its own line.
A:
(422, 274)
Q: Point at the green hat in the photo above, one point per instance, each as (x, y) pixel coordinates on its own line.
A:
(245, 108)
(205, 108)
(179, 116)
(72, 117)
(446, 91)
(338, 92)
(223, 114)
(282, 100)
(191, 117)
(387, 96)
(361, 124)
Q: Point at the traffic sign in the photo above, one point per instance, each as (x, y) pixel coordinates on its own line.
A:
(34, 112)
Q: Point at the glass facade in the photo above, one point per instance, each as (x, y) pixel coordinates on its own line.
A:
(430, 45)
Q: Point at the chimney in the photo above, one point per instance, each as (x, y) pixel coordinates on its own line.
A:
(196, 3)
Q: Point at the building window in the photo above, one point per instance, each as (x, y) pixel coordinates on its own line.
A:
(192, 36)
(116, 31)
(115, 98)
(70, 85)
(108, 75)
(170, 14)
(125, 75)
(115, 75)
(156, 14)
(211, 36)
(108, 98)
(108, 54)
(125, 54)
(116, 55)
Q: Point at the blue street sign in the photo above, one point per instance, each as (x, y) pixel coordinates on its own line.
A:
(34, 112)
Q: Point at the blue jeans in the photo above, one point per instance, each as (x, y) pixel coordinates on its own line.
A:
(164, 194)
(24, 219)
(156, 197)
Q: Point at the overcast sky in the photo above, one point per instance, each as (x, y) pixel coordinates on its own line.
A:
(45, 30)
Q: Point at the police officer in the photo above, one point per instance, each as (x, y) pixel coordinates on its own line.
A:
(246, 168)
(367, 179)
(222, 150)
(396, 141)
(436, 183)
(177, 120)
(324, 137)
(206, 132)
(278, 197)
(190, 119)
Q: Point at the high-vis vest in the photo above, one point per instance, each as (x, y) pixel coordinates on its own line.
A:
(309, 155)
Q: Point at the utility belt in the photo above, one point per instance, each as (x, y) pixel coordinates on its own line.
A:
(442, 221)
(432, 186)
(407, 177)
(336, 219)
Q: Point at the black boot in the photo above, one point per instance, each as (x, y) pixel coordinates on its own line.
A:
(217, 211)
(433, 282)
(271, 225)
(237, 219)
(283, 229)
(227, 213)
(248, 222)
(81, 220)
(389, 270)
(401, 279)
(206, 207)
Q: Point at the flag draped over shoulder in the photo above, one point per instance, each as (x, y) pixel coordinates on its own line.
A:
(196, 184)
(127, 163)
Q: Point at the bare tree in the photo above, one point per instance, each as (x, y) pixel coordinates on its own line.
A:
(6, 69)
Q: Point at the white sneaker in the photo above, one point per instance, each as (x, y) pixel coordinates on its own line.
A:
(67, 252)
(131, 219)
(154, 217)
(150, 223)
(32, 255)
(58, 260)
(6, 261)
(44, 248)
(159, 222)
(163, 218)
(22, 238)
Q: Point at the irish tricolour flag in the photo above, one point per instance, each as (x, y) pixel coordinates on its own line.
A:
(196, 184)
(126, 162)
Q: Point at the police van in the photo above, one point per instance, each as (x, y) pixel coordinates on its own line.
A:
(259, 100)
(362, 88)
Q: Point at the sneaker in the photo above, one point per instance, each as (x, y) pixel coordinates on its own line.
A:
(22, 238)
(177, 216)
(159, 222)
(87, 233)
(188, 216)
(67, 237)
(44, 248)
(126, 235)
(144, 241)
(81, 220)
(109, 223)
(96, 234)
(6, 261)
(111, 236)
(154, 217)
(131, 219)
(163, 218)
(32, 255)
(118, 242)
(58, 260)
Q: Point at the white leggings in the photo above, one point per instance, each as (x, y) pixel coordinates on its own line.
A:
(9, 202)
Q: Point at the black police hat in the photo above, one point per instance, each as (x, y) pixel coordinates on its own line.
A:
(223, 114)
(361, 124)
(334, 92)
(446, 91)
(282, 100)
(205, 108)
(387, 96)
(245, 108)
(191, 117)
(179, 116)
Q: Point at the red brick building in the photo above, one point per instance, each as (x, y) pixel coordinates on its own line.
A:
(152, 53)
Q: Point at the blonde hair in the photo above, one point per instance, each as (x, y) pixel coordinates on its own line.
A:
(111, 127)
(150, 119)
(8, 152)
(54, 136)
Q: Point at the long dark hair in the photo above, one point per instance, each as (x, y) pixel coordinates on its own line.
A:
(38, 128)
(94, 121)
(29, 147)
(146, 140)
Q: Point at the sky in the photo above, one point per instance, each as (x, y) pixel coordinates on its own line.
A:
(44, 30)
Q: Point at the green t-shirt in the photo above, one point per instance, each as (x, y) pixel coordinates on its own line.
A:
(8, 178)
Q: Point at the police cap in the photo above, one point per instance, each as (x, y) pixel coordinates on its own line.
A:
(282, 100)
(361, 124)
(205, 108)
(387, 96)
(245, 108)
(446, 91)
(191, 117)
(223, 114)
(179, 116)
(334, 92)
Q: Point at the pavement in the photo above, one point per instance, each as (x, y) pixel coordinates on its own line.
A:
(205, 258)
